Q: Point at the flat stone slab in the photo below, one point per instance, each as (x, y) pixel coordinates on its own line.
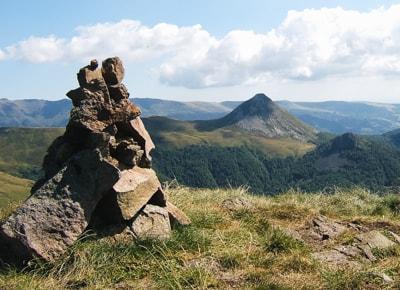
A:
(375, 240)
(134, 190)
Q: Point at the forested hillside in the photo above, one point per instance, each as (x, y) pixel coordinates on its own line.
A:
(345, 161)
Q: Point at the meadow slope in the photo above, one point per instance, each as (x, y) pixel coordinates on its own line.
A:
(252, 247)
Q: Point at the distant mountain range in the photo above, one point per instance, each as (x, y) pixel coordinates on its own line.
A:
(332, 116)
(257, 144)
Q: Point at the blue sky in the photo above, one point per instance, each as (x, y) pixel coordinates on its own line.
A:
(206, 50)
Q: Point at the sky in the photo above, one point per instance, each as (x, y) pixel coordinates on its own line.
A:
(208, 50)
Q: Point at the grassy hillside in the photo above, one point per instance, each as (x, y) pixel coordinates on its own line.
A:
(23, 149)
(180, 134)
(247, 248)
(13, 189)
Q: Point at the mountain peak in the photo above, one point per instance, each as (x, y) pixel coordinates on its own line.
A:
(260, 97)
(261, 116)
(259, 105)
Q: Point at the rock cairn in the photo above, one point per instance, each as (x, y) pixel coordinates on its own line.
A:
(97, 176)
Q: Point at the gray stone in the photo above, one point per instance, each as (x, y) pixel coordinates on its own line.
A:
(395, 236)
(350, 251)
(325, 228)
(134, 190)
(375, 240)
(238, 203)
(59, 211)
(152, 223)
(177, 216)
(142, 136)
(331, 256)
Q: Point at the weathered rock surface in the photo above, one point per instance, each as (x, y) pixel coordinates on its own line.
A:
(176, 216)
(238, 203)
(152, 223)
(375, 240)
(96, 176)
(134, 190)
(113, 71)
(59, 211)
(142, 136)
(323, 228)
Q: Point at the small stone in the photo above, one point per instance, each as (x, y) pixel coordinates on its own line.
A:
(325, 228)
(350, 251)
(89, 75)
(128, 153)
(238, 203)
(152, 223)
(113, 71)
(142, 136)
(395, 236)
(367, 252)
(331, 256)
(134, 190)
(375, 240)
(177, 216)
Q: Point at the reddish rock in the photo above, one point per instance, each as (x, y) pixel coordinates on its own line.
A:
(113, 71)
(143, 137)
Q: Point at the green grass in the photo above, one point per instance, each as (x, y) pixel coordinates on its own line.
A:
(242, 248)
(13, 189)
(167, 132)
(23, 149)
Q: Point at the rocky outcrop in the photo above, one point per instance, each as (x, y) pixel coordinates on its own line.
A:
(97, 175)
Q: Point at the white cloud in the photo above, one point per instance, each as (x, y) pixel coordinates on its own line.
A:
(308, 45)
(127, 38)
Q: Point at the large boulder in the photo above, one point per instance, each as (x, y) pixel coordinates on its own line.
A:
(59, 211)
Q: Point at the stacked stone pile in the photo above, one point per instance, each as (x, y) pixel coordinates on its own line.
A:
(97, 176)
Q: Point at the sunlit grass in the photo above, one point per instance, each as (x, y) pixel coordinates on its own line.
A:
(243, 248)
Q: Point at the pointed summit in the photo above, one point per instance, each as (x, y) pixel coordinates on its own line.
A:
(259, 105)
(261, 116)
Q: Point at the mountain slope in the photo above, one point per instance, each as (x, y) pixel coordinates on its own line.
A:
(340, 117)
(34, 113)
(211, 160)
(332, 116)
(239, 241)
(184, 110)
(261, 116)
(23, 149)
(13, 189)
(393, 137)
(43, 113)
(345, 161)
